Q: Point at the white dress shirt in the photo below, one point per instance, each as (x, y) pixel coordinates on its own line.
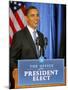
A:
(31, 30)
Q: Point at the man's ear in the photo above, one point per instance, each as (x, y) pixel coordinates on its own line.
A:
(26, 18)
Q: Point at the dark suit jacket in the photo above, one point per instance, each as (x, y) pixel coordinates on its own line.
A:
(23, 47)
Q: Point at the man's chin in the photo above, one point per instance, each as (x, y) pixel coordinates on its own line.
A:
(35, 26)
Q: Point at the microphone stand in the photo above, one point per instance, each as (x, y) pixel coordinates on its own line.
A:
(41, 50)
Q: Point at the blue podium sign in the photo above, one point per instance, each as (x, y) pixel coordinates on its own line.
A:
(40, 71)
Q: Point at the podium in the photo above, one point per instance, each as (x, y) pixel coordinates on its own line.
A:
(40, 73)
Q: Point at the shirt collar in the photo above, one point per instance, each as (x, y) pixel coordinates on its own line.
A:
(31, 30)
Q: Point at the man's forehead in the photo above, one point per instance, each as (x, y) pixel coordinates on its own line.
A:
(33, 11)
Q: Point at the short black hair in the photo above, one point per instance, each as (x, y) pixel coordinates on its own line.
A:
(31, 7)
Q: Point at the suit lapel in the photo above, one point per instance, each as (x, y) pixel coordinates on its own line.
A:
(30, 40)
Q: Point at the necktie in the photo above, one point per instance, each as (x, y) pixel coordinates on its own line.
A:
(34, 35)
(36, 45)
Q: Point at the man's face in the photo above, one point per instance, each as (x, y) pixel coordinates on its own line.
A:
(33, 18)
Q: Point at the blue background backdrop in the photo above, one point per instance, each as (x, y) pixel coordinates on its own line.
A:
(53, 25)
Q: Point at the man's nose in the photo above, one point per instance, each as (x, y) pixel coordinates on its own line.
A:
(36, 18)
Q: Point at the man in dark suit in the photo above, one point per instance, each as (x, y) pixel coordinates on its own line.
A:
(24, 44)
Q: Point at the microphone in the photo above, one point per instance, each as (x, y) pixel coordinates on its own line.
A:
(39, 40)
(45, 42)
(38, 47)
(41, 43)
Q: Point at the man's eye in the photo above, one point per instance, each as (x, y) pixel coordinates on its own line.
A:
(32, 15)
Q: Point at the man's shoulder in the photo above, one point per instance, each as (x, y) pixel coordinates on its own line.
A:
(20, 32)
